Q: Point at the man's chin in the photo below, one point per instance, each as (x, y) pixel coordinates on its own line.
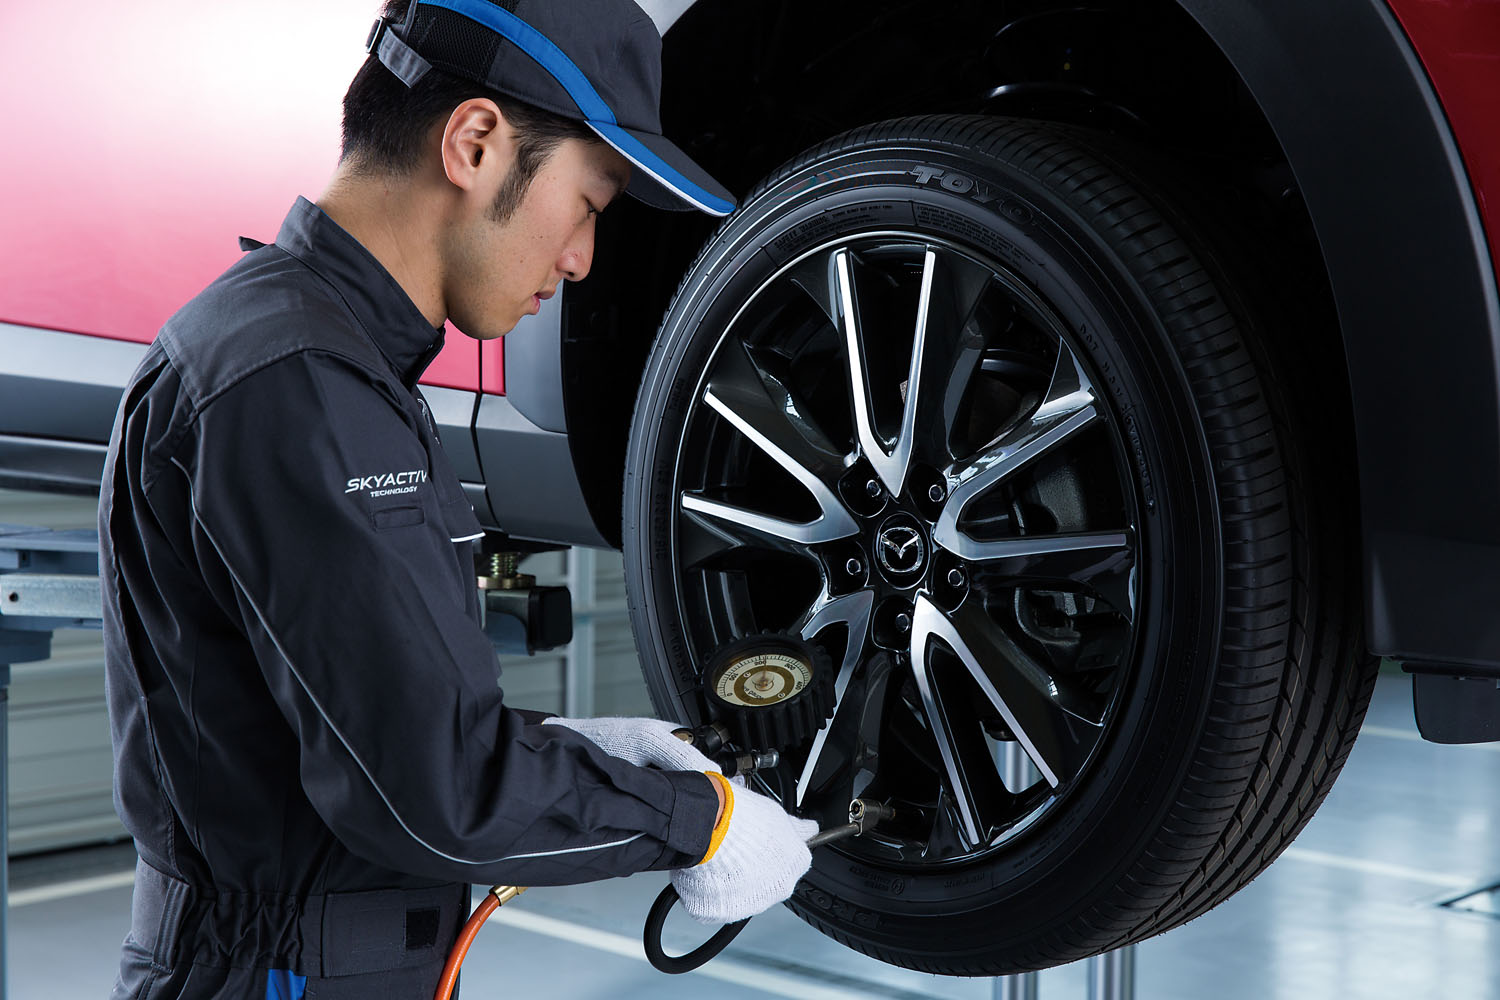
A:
(490, 331)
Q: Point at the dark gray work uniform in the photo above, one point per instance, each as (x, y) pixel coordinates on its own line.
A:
(311, 748)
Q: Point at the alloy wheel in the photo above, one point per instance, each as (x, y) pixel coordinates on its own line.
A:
(897, 451)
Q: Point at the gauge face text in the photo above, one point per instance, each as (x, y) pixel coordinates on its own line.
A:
(762, 679)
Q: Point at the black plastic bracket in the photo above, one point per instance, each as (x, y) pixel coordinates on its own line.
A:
(529, 620)
(1457, 709)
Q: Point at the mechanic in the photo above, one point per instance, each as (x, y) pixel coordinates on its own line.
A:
(312, 751)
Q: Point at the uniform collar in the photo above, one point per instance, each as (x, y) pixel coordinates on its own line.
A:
(382, 307)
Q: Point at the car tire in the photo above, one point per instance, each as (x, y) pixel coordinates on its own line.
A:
(1131, 663)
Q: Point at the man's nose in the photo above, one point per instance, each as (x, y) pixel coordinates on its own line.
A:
(579, 255)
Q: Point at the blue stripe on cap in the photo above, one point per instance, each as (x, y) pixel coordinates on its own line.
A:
(642, 156)
(539, 47)
(597, 113)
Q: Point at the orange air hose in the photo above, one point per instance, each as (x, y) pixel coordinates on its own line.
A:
(497, 895)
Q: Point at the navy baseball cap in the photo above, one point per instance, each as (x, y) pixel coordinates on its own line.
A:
(594, 61)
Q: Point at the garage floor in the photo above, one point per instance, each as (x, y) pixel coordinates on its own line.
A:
(1351, 911)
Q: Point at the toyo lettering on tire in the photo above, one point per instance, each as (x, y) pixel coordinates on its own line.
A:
(991, 411)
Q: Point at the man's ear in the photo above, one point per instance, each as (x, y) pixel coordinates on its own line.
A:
(476, 144)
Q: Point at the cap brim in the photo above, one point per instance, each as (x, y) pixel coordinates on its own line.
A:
(663, 175)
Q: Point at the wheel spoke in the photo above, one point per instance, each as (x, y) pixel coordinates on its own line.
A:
(890, 464)
(714, 536)
(1068, 408)
(1096, 561)
(767, 416)
(945, 355)
(973, 780)
(772, 530)
(847, 320)
(1035, 706)
(853, 611)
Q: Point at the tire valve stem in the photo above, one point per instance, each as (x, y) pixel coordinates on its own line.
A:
(864, 815)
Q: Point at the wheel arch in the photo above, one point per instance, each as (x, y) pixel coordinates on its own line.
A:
(1404, 246)
(1327, 118)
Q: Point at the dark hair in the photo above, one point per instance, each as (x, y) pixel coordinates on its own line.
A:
(386, 123)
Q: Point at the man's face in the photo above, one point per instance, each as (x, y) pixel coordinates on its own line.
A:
(499, 271)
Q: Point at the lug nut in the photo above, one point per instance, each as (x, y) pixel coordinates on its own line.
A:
(872, 488)
(854, 567)
(903, 622)
(936, 493)
(955, 578)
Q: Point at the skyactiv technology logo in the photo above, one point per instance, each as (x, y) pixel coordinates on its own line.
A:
(388, 483)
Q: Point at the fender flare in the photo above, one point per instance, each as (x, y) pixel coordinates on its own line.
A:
(1414, 286)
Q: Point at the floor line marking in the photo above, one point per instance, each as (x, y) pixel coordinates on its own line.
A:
(1412, 736)
(726, 969)
(1369, 867)
(74, 887)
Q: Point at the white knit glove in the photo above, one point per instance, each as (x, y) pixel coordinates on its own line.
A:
(640, 742)
(763, 854)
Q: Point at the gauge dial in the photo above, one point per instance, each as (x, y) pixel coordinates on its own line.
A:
(763, 679)
(773, 691)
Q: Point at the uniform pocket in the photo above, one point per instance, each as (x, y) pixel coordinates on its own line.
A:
(397, 517)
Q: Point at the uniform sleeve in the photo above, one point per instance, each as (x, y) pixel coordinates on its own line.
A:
(313, 493)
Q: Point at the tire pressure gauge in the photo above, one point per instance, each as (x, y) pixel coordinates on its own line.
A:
(772, 691)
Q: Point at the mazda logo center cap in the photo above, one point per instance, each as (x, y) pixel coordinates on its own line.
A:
(900, 548)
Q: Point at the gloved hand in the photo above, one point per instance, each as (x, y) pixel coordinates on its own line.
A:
(763, 854)
(640, 741)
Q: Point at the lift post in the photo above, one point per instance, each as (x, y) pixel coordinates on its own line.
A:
(1111, 976)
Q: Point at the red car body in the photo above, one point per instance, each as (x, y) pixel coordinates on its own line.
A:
(154, 139)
